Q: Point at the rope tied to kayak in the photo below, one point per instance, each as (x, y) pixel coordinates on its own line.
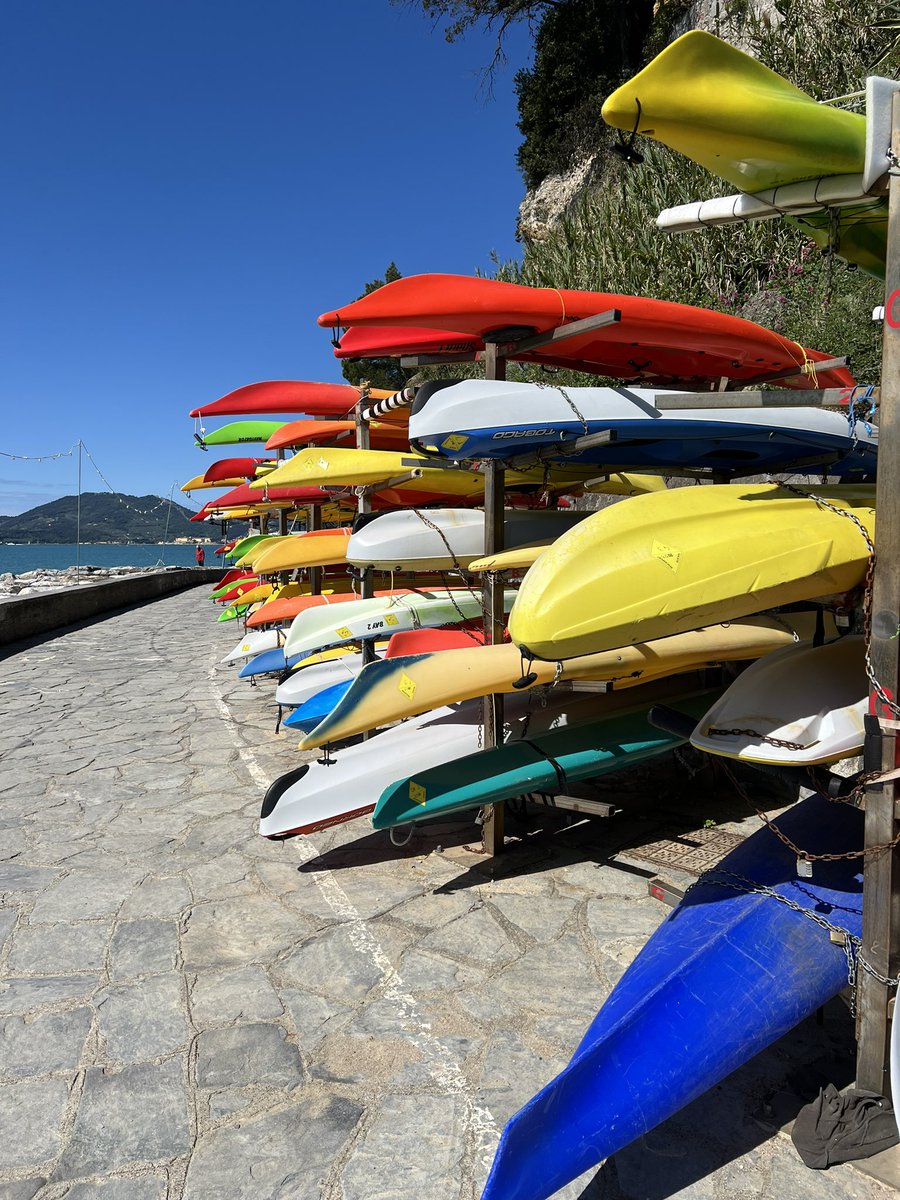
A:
(624, 147)
(558, 770)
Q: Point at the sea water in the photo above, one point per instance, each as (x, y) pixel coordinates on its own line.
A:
(21, 558)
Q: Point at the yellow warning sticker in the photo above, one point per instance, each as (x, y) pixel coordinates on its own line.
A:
(390, 619)
(323, 463)
(666, 554)
(407, 686)
(246, 646)
(343, 632)
(417, 793)
(455, 441)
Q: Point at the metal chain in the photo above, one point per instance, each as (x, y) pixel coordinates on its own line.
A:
(868, 583)
(806, 855)
(457, 566)
(568, 399)
(851, 944)
(762, 737)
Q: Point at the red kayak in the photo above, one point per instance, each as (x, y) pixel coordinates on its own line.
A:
(275, 497)
(429, 641)
(234, 576)
(233, 468)
(654, 341)
(287, 396)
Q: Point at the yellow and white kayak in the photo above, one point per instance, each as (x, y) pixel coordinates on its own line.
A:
(662, 564)
(397, 688)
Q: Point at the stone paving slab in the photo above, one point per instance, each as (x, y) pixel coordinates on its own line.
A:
(190, 1011)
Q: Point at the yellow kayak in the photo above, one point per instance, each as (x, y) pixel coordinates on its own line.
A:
(328, 466)
(293, 553)
(394, 689)
(666, 563)
(746, 124)
(259, 547)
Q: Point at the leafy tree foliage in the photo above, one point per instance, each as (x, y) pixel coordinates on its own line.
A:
(380, 372)
(583, 50)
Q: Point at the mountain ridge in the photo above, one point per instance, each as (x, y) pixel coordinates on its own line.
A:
(105, 517)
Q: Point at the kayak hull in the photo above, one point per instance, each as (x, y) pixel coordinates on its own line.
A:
(692, 556)
(726, 974)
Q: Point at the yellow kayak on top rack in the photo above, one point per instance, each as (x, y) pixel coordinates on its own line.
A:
(748, 125)
(663, 564)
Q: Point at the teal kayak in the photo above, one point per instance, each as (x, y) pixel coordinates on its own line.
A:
(542, 764)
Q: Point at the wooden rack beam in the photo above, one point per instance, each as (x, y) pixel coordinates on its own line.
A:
(492, 830)
(780, 398)
(881, 875)
(363, 506)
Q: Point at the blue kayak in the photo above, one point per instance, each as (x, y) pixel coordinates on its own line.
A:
(270, 662)
(729, 972)
(311, 712)
(621, 429)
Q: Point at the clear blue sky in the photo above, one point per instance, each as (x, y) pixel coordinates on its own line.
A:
(188, 183)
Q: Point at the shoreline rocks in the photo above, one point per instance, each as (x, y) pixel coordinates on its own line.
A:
(49, 579)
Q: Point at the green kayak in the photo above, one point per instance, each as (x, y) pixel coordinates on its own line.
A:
(542, 764)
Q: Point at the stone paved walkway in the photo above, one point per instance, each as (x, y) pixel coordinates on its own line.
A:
(187, 1010)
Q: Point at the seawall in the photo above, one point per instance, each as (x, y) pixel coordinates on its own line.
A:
(30, 616)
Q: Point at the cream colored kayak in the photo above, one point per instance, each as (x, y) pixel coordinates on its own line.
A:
(397, 688)
(382, 616)
(662, 564)
(518, 559)
(801, 706)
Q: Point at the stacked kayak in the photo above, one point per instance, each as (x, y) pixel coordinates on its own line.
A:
(743, 958)
(630, 603)
(751, 127)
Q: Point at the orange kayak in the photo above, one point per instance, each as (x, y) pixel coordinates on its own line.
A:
(654, 340)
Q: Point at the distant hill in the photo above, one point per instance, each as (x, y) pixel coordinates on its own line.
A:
(104, 518)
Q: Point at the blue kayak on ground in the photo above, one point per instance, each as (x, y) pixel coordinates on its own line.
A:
(728, 972)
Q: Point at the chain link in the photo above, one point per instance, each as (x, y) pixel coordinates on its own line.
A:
(851, 943)
(568, 399)
(806, 855)
(761, 737)
(868, 585)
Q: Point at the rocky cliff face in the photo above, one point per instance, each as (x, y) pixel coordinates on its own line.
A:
(558, 195)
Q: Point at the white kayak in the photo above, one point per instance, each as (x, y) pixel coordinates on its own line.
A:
(315, 795)
(443, 539)
(478, 418)
(256, 641)
(799, 706)
(385, 615)
(301, 685)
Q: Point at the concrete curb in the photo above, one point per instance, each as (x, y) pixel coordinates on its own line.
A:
(31, 616)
